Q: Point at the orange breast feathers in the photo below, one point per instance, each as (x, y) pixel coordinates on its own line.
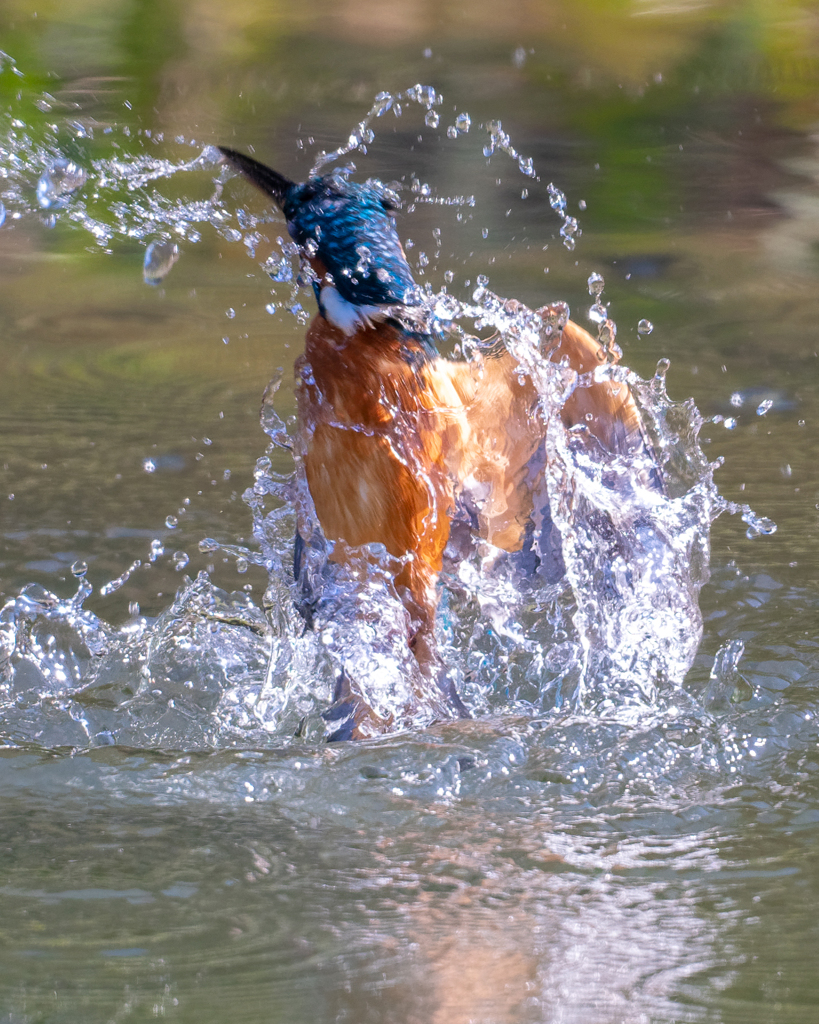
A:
(391, 439)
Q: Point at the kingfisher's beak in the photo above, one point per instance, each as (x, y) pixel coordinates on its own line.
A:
(269, 181)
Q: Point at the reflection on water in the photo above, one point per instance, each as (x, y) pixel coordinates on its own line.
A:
(177, 838)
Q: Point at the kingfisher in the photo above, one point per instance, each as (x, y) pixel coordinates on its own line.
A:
(396, 439)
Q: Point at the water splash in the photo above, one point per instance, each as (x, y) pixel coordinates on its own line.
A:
(498, 139)
(58, 181)
(612, 631)
(362, 135)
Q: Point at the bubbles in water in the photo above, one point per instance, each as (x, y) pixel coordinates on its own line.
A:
(58, 181)
(645, 327)
(160, 257)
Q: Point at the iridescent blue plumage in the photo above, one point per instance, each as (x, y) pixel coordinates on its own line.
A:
(345, 227)
(353, 232)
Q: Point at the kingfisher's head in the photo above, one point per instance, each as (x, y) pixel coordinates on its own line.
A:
(347, 231)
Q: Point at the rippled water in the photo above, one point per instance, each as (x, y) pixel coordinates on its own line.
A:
(622, 832)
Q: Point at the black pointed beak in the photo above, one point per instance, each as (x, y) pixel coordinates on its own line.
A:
(269, 181)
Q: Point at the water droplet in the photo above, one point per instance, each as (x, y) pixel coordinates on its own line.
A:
(242, 564)
(663, 366)
(172, 522)
(557, 200)
(230, 313)
(581, 204)
(449, 276)
(452, 132)
(79, 569)
(730, 423)
(2, 214)
(737, 399)
(159, 258)
(482, 280)
(645, 327)
(180, 559)
(485, 232)
(463, 122)
(133, 608)
(527, 166)
(208, 544)
(758, 526)
(207, 441)
(596, 284)
(519, 57)
(58, 181)
(764, 407)
(432, 119)
(157, 549)
(149, 465)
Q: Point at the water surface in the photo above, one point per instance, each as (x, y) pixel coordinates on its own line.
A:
(166, 852)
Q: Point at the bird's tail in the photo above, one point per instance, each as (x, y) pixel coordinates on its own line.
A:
(269, 181)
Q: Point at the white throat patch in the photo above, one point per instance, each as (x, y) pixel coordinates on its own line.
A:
(343, 314)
